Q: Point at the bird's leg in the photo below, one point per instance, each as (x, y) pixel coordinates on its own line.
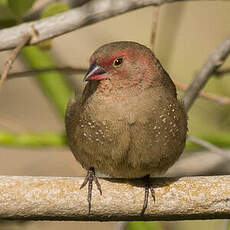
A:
(148, 187)
(90, 178)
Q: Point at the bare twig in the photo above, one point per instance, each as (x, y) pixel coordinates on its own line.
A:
(210, 96)
(91, 12)
(190, 164)
(209, 146)
(225, 225)
(66, 69)
(52, 198)
(215, 60)
(222, 72)
(12, 58)
(121, 225)
(156, 13)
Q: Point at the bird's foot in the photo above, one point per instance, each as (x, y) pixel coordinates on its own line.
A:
(89, 179)
(148, 187)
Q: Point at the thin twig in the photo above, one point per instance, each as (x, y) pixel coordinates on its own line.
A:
(121, 225)
(221, 72)
(90, 13)
(12, 58)
(156, 14)
(210, 96)
(209, 146)
(215, 60)
(225, 225)
(66, 69)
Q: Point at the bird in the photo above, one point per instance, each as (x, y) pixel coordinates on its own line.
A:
(128, 123)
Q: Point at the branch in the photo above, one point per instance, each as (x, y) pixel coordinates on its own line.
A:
(222, 72)
(52, 198)
(12, 58)
(214, 165)
(156, 13)
(210, 96)
(91, 12)
(66, 69)
(215, 60)
(209, 146)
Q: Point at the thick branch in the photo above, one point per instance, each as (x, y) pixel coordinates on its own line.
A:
(215, 60)
(91, 12)
(47, 198)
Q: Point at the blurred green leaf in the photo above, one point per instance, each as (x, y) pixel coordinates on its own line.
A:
(20, 7)
(3, 2)
(54, 8)
(40, 139)
(144, 225)
(53, 83)
(50, 10)
(228, 225)
(6, 17)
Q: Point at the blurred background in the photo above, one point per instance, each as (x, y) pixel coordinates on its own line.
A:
(187, 33)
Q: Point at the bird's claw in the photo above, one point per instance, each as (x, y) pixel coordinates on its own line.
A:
(148, 187)
(89, 179)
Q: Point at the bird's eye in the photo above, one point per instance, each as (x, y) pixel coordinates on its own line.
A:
(117, 62)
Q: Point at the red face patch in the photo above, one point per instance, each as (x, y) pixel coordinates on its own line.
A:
(108, 61)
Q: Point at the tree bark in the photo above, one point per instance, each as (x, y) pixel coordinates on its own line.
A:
(56, 198)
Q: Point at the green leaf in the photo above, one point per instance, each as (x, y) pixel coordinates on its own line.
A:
(20, 7)
(3, 2)
(6, 17)
(50, 10)
(54, 8)
(53, 83)
(40, 139)
(144, 225)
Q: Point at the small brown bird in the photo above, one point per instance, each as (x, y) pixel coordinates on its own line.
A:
(128, 122)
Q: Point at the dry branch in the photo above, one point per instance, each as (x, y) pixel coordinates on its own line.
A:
(50, 198)
(209, 146)
(221, 72)
(66, 69)
(156, 13)
(210, 96)
(91, 12)
(12, 58)
(215, 60)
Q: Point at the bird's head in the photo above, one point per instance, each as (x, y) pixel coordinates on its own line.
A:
(124, 64)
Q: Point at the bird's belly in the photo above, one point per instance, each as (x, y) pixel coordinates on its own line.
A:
(124, 144)
(123, 154)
